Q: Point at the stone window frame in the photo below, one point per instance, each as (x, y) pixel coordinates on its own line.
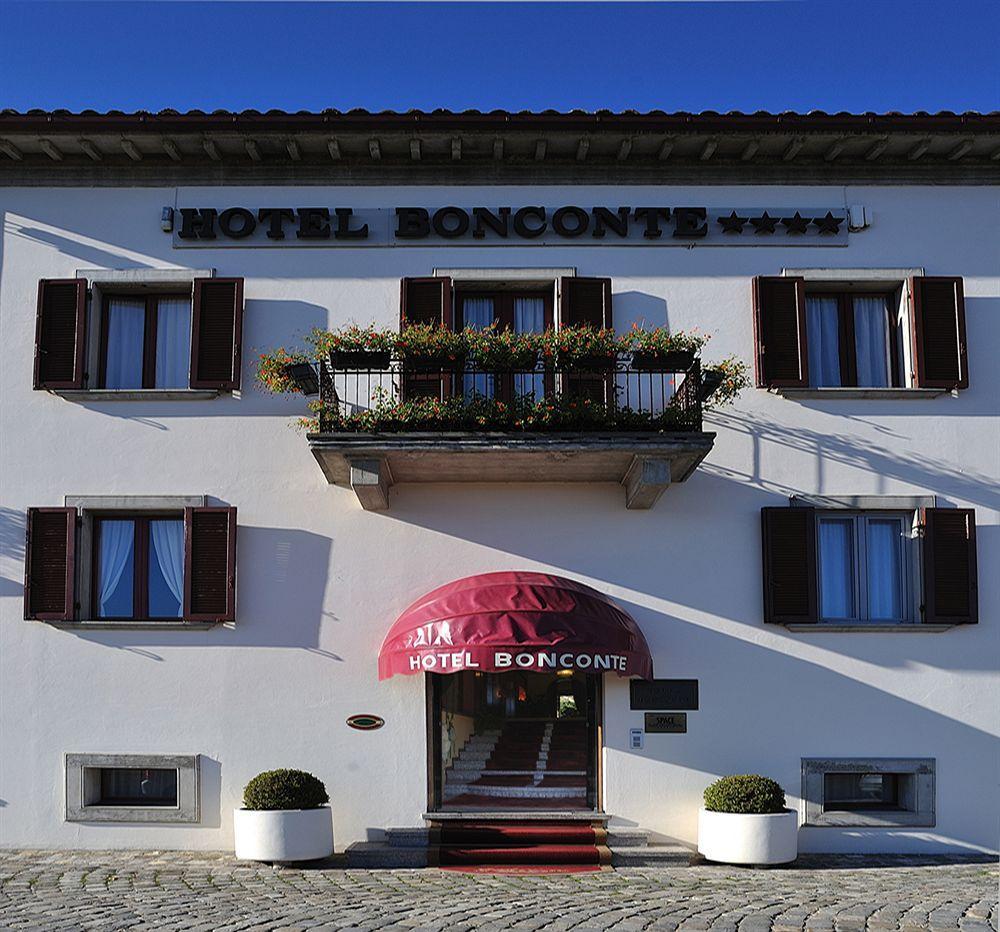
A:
(922, 772)
(87, 507)
(188, 808)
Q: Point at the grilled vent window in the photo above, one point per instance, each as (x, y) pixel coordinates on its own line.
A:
(210, 564)
(217, 330)
(60, 333)
(49, 564)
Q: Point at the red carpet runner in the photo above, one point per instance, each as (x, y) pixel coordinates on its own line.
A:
(545, 845)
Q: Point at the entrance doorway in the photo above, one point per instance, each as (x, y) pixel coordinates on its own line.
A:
(514, 741)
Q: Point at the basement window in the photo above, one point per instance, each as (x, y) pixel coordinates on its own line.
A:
(873, 792)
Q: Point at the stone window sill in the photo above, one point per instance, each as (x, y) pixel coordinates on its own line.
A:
(901, 628)
(863, 394)
(139, 624)
(141, 394)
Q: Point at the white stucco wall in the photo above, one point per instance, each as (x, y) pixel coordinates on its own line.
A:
(320, 580)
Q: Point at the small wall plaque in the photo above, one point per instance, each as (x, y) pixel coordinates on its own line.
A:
(366, 722)
(663, 694)
(667, 723)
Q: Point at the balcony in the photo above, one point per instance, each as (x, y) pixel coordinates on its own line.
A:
(639, 428)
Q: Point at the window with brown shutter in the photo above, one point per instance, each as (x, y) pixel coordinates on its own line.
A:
(789, 551)
(49, 564)
(586, 302)
(950, 583)
(60, 333)
(210, 564)
(938, 331)
(427, 301)
(780, 332)
(217, 333)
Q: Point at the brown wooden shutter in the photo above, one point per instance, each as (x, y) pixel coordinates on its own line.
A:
(779, 328)
(950, 584)
(585, 301)
(49, 564)
(789, 546)
(427, 301)
(938, 331)
(217, 333)
(60, 333)
(209, 564)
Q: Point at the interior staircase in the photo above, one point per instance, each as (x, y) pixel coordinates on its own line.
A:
(527, 764)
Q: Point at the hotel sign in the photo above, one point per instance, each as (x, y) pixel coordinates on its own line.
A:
(525, 225)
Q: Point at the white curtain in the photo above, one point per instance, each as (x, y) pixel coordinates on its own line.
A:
(173, 342)
(126, 328)
(884, 543)
(836, 568)
(168, 545)
(529, 317)
(823, 339)
(117, 543)
(478, 314)
(871, 339)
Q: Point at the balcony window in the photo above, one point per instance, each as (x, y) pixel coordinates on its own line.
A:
(852, 341)
(146, 341)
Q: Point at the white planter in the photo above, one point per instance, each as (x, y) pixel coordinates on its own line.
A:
(735, 838)
(283, 834)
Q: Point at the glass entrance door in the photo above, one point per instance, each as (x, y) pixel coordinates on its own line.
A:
(515, 741)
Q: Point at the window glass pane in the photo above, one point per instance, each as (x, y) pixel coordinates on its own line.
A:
(871, 339)
(836, 568)
(477, 314)
(860, 791)
(166, 568)
(126, 331)
(884, 542)
(529, 317)
(116, 569)
(823, 339)
(134, 786)
(173, 342)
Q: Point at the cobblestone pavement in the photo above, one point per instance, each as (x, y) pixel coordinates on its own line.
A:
(172, 890)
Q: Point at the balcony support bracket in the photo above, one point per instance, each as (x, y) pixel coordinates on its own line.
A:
(645, 481)
(370, 479)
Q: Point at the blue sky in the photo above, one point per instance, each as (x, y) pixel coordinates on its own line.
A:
(781, 55)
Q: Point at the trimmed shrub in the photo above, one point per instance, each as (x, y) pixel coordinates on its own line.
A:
(745, 793)
(284, 789)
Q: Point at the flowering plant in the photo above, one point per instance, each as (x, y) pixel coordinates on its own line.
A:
(494, 350)
(272, 370)
(580, 347)
(659, 341)
(352, 339)
(723, 381)
(427, 344)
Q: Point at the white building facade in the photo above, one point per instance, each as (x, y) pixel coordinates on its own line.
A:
(812, 567)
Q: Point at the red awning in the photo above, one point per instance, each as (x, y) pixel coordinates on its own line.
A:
(514, 621)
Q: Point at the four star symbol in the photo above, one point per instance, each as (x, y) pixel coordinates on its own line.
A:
(796, 224)
(828, 224)
(732, 223)
(764, 223)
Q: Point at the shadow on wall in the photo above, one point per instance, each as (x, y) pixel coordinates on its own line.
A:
(94, 256)
(637, 307)
(12, 530)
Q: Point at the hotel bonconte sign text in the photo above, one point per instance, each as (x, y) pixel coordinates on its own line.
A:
(277, 226)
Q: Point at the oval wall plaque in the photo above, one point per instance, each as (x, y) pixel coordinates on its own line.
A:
(366, 722)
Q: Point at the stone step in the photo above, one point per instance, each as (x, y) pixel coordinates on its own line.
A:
(382, 854)
(415, 837)
(651, 856)
(624, 837)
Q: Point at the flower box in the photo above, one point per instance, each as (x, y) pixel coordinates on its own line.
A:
(433, 363)
(587, 363)
(360, 359)
(669, 361)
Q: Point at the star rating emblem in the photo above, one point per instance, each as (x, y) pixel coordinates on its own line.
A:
(732, 223)
(764, 223)
(828, 224)
(796, 224)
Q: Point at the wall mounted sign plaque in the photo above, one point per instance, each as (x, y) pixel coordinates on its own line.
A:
(666, 723)
(663, 694)
(366, 722)
(195, 221)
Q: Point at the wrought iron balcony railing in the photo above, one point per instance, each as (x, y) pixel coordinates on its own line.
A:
(618, 397)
